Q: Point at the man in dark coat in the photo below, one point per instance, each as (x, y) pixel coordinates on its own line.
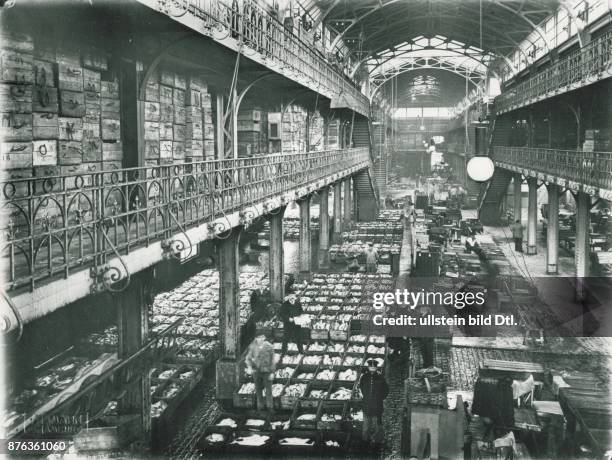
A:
(374, 390)
(291, 308)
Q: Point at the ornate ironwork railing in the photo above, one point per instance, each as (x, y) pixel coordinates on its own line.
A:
(593, 169)
(259, 30)
(56, 225)
(586, 65)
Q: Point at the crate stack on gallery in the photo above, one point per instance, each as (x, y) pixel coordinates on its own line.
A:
(178, 125)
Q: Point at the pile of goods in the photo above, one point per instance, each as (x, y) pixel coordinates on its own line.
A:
(291, 231)
(346, 251)
(170, 384)
(317, 390)
(197, 299)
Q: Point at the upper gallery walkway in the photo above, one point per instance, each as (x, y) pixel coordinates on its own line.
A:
(589, 172)
(70, 235)
(582, 67)
(252, 31)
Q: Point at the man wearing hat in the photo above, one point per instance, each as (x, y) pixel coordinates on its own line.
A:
(371, 255)
(291, 308)
(260, 363)
(374, 390)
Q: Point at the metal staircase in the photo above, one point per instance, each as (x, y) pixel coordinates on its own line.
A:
(365, 185)
(492, 196)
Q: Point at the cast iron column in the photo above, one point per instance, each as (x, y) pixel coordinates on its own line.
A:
(337, 237)
(347, 204)
(229, 313)
(276, 258)
(532, 215)
(133, 331)
(323, 258)
(518, 211)
(582, 249)
(552, 232)
(305, 251)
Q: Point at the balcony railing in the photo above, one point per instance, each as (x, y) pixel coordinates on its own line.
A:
(54, 226)
(581, 67)
(257, 31)
(592, 169)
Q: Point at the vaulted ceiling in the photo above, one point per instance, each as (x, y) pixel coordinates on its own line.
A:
(467, 37)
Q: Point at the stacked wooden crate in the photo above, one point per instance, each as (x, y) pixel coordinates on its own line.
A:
(294, 130)
(316, 131)
(178, 119)
(59, 114)
(333, 134)
(252, 133)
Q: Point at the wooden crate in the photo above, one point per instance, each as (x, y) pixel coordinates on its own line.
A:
(91, 81)
(111, 130)
(336, 408)
(152, 91)
(340, 336)
(319, 334)
(119, 431)
(165, 94)
(112, 151)
(16, 98)
(166, 132)
(69, 153)
(298, 410)
(70, 76)
(178, 97)
(44, 153)
(16, 155)
(152, 111)
(45, 126)
(179, 133)
(180, 116)
(110, 108)
(72, 104)
(166, 113)
(242, 401)
(45, 100)
(109, 89)
(16, 67)
(70, 129)
(16, 127)
(92, 150)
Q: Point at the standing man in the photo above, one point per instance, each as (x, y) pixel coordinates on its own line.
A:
(260, 362)
(517, 234)
(371, 255)
(291, 308)
(374, 390)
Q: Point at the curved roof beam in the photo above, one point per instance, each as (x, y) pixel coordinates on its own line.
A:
(381, 4)
(341, 36)
(512, 43)
(407, 56)
(381, 83)
(535, 27)
(325, 13)
(491, 30)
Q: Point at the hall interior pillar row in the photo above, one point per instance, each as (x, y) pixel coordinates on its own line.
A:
(348, 205)
(323, 256)
(532, 216)
(133, 330)
(518, 208)
(305, 250)
(582, 247)
(276, 259)
(552, 230)
(229, 313)
(337, 236)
